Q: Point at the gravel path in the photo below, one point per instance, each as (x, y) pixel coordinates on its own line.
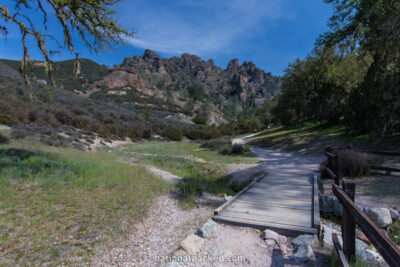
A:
(157, 235)
(243, 246)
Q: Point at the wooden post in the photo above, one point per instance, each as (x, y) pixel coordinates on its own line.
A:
(349, 225)
(337, 169)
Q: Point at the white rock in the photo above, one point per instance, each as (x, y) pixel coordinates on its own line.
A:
(303, 251)
(365, 252)
(192, 243)
(381, 216)
(280, 239)
(227, 198)
(395, 214)
(270, 242)
(330, 204)
(207, 228)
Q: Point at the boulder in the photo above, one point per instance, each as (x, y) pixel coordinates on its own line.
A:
(280, 239)
(192, 244)
(380, 216)
(395, 214)
(330, 205)
(303, 251)
(366, 253)
(207, 228)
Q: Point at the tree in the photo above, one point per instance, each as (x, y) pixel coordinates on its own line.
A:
(371, 28)
(318, 87)
(91, 19)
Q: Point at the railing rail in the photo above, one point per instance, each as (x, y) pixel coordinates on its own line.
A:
(352, 215)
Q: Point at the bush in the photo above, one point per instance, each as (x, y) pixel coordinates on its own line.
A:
(239, 149)
(356, 164)
(216, 144)
(4, 139)
(199, 120)
(235, 149)
(172, 133)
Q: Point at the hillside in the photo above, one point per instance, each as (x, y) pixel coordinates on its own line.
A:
(143, 95)
(189, 85)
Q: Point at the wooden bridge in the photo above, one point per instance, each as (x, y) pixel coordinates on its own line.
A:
(281, 200)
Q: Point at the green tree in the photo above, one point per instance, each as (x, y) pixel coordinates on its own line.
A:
(371, 28)
(93, 20)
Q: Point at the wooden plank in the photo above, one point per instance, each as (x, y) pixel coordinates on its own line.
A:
(261, 197)
(271, 211)
(265, 222)
(229, 202)
(389, 251)
(330, 173)
(315, 204)
(284, 193)
(342, 258)
(276, 186)
(384, 168)
(266, 203)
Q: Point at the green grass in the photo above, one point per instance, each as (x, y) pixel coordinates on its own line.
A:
(313, 138)
(197, 178)
(188, 149)
(57, 204)
(179, 158)
(5, 130)
(394, 232)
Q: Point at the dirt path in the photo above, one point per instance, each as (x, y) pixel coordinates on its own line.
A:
(157, 235)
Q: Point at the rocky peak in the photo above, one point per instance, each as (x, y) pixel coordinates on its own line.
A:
(233, 66)
(151, 55)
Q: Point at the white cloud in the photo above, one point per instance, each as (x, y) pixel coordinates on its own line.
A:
(199, 27)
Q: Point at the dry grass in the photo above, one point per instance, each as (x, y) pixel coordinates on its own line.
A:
(57, 204)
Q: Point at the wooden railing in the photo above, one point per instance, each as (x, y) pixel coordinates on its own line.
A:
(352, 215)
(333, 167)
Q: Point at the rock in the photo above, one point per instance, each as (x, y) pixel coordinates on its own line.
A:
(270, 242)
(330, 205)
(192, 243)
(305, 240)
(365, 252)
(280, 239)
(207, 228)
(227, 198)
(380, 216)
(395, 214)
(303, 251)
(222, 195)
(328, 229)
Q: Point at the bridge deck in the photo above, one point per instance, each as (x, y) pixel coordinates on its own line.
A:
(284, 201)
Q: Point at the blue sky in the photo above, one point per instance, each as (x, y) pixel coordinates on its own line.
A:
(271, 33)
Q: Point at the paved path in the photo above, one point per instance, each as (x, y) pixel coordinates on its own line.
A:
(284, 199)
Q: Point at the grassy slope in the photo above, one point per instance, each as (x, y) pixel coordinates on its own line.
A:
(189, 149)
(209, 176)
(313, 138)
(64, 73)
(56, 204)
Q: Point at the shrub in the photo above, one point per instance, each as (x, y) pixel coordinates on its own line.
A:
(5, 119)
(199, 120)
(235, 149)
(216, 144)
(356, 164)
(173, 133)
(239, 149)
(19, 133)
(4, 139)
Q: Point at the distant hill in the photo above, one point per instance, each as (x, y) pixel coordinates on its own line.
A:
(144, 94)
(188, 84)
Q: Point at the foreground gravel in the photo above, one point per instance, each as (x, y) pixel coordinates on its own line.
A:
(157, 235)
